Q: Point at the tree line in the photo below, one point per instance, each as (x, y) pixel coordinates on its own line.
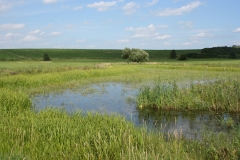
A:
(214, 52)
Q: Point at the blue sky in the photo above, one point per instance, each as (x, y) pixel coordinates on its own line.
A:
(116, 24)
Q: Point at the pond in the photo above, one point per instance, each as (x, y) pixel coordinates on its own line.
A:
(120, 98)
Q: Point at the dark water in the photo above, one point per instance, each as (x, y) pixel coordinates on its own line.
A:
(120, 98)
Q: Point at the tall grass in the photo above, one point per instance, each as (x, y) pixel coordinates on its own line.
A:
(14, 101)
(217, 95)
(55, 134)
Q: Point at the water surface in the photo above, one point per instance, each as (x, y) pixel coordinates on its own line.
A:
(120, 98)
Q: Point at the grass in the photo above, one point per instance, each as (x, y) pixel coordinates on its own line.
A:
(57, 134)
(215, 95)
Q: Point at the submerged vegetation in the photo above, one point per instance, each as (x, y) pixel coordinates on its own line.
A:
(57, 134)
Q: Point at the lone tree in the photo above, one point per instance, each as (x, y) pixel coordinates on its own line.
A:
(46, 57)
(135, 55)
(173, 54)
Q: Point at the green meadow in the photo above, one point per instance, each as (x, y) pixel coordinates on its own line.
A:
(163, 84)
(106, 54)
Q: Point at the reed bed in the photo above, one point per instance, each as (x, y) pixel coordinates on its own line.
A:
(215, 95)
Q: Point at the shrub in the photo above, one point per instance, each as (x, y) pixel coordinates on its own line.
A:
(46, 57)
(135, 55)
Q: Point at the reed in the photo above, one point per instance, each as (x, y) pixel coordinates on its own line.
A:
(56, 134)
(14, 101)
(216, 95)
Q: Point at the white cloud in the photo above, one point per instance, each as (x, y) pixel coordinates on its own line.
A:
(12, 26)
(144, 35)
(202, 35)
(9, 35)
(148, 32)
(163, 37)
(65, 7)
(80, 41)
(34, 32)
(166, 43)
(185, 44)
(152, 3)
(8, 4)
(236, 30)
(42, 33)
(77, 8)
(162, 26)
(123, 40)
(129, 29)
(49, 1)
(130, 8)
(147, 29)
(56, 34)
(86, 22)
(180, 11)
(69, 26)
(5, 6)
(188, 24)
(236, 42)
(103, 6)
(29, 38)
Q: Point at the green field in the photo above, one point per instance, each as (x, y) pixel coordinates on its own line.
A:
(37, 54)
(57, 134)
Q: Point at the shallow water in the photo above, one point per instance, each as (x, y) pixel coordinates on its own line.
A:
(119, 98)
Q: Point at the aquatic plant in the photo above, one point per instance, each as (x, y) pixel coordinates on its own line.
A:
(14, 101)
(217, 95)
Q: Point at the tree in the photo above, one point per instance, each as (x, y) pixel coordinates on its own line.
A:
(173, 54)
(135, 55)
(46, 57)
(232, 55)
(182, 57)
(126, 53)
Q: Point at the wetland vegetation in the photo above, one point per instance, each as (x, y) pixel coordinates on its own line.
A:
(51, 133)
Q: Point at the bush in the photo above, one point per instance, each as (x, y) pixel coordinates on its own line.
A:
(135, 55)
(46, 57)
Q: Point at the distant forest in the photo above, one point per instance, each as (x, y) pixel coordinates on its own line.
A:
(217, 52)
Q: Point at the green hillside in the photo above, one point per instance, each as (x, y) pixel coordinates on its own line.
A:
(37, 54)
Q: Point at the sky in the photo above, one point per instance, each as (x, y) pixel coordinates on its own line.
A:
(116, 24)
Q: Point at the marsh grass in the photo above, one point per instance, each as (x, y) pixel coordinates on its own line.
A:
(217, 95)
(14, 101)
(57, 134)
